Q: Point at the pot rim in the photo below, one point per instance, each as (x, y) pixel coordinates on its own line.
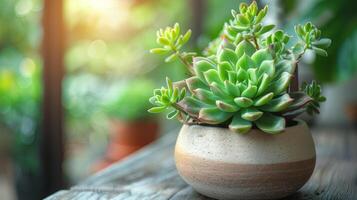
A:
(299, 122)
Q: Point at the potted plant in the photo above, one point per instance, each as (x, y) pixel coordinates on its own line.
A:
(131, 127)
(241, 138)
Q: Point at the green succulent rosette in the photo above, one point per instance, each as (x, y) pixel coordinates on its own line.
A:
(243, 79)
(244, 86)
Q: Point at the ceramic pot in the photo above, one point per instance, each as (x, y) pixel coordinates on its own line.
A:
(225, 165)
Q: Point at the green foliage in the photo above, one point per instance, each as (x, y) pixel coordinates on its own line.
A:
(313, 90)
(311, 38)
(243, 80)
(131, 103)
(171, 42)
(165, 98)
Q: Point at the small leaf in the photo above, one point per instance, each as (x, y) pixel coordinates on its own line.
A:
(232, 76)
(163, 41)
(281, 84)
(159, 51)
(242, 19)
(223, 69)
(205, 96)
(226, 107)
(266, 29)
(212, 76)
(264, 99)
(244, 47)
(264, 84)
(267, 67)
(261, 55)
(242, 75)
(251, 114)
(320, 52)
(157, 109)
(243, 102)
(250, 92)
(271, 123)
(240, 125)
(232, 89)
(245, 62)
(285, 66)
(186, 37)
(252, 72)
(261, 15)
(182, 94)
(202, 66)
(227, 55)
(194, 83)
(213, 116)
(300, 100)
(172, 114)
(219, 90)
(278, 104)
(192, 105)
(322, 43)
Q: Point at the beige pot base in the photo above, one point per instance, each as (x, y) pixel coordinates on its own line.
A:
(200, 164)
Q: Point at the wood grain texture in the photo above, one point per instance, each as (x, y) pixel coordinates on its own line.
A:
(151, 173)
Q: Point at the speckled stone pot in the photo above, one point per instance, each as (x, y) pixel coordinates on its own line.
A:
(224, 165)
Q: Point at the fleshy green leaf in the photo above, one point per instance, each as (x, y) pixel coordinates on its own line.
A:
(159, 51)
(320, 51)
(219, 90)
(267, 67)
(242, 75)
(243, 102)
(244, 47)
(157, 109)
(192, 105)
(281, 84)
(226, 107)
(250, 92)
(232, 89)
(205, 96)
(245, 62)
(300, 100)
(223, 69)
(213, 115)
(251, 114)
(271, 123)
(322, 43)
(266, 29)
(202, 66)
(228, 56)
(285, 66)
(252, 72)
(172, 114)
(278, 104)
(240, 125)
(263, 84)
(261, 55)
(212, 76)
(264, 99)
(195, 83)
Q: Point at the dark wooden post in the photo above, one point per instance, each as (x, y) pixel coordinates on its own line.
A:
(52, 138)
(198, 8)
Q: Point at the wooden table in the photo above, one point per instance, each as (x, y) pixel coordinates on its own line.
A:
(151, 173)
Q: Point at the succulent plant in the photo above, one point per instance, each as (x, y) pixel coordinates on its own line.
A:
(243, 80)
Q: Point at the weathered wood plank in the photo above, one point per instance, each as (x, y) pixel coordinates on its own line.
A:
(151, 174)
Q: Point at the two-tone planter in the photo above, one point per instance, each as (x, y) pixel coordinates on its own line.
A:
(225, 165)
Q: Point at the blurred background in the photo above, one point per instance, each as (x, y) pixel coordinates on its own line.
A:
(76, 75)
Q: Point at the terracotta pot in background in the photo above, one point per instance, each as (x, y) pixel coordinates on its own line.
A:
(126, 138)
(225, 165)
